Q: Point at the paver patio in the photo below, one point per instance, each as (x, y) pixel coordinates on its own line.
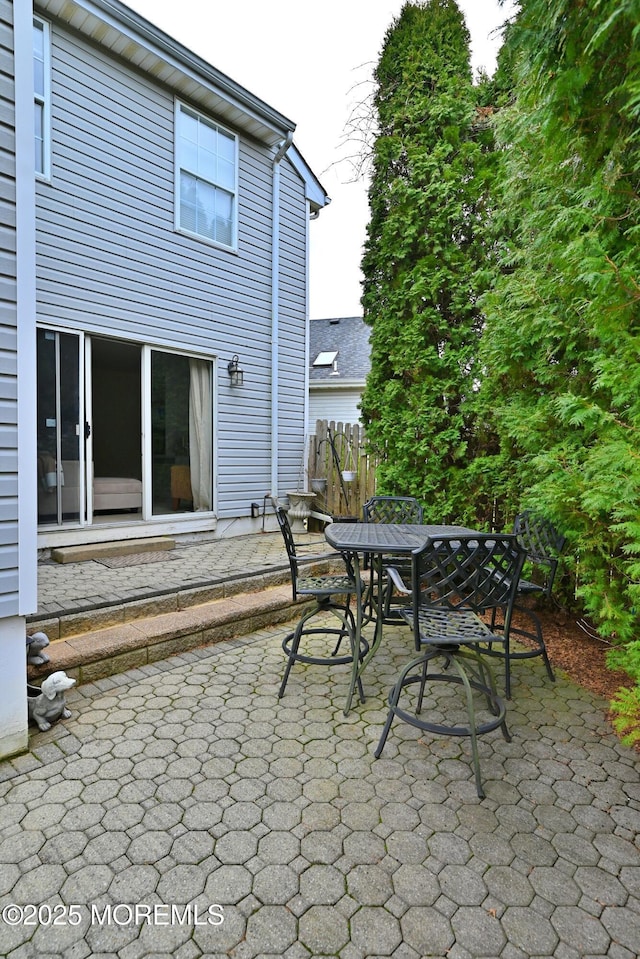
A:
(188, 782)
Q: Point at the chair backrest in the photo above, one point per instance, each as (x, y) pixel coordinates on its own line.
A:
(479, 572)
(392, 509)
(287, 535)
(542, 541)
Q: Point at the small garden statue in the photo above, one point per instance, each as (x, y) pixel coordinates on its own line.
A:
(47, 703)
(35, 644)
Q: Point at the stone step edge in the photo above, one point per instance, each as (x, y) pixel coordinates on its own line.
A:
(105, 652)
(65, 624)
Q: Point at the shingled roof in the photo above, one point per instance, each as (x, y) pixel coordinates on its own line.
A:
(348, 338)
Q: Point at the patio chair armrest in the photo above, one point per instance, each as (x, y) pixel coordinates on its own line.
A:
(398, 581)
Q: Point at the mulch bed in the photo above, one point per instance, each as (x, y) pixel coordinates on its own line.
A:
(580, 655)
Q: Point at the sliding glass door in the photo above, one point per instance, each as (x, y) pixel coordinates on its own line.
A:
(125, 431)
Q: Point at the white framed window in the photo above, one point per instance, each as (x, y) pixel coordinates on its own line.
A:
(42, 96)
(206, 177)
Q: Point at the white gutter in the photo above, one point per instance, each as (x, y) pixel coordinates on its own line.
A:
(275, 309)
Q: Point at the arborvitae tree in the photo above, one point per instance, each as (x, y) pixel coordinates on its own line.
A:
(431, 169)
(562, 345)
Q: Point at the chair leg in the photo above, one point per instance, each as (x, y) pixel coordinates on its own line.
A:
(477, 677)
(393, 702)
(357, 651)
(508, 655)
(293, 650)
(423, 683)
(348, 624)
(471, 712)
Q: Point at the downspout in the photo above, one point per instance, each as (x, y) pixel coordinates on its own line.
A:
(275, 308)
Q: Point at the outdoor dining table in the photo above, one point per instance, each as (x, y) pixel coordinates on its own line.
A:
(380, 540)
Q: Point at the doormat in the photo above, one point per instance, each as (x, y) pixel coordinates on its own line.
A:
(136, 559)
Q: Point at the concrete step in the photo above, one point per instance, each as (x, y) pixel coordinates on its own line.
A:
(94, 643)
(97, 653)
(89, 618)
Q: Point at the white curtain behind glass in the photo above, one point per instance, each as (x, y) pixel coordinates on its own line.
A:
(200, 432)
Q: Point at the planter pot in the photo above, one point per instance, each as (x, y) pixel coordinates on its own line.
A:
(349, 475)
(319, 485)
(299, 510)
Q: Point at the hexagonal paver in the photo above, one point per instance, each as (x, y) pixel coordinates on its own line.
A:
(323, 930)
(278, 848)
(149, 847)
(462, 885)
(189, 781)
(477, 931)
(228, 884)
(427, 931)
(275, 885)
(369, 885)
(375, 931)
(271, 930)
(587, 934)
(182, 884)
(529, 931)
(236, 847)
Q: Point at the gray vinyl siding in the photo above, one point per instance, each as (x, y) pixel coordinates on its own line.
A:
(9, 601)
(110, 262)
(339, 405)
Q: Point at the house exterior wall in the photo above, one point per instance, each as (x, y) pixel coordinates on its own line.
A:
(339, 405)
(17, 329)
(110, 262)
(8, 332)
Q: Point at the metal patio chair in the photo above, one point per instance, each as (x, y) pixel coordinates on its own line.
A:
(401, 510)
(453, 582)
(543, 544)
(392, 509)
(332, 594)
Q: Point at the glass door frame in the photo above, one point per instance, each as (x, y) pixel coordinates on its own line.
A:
(147, 432)
(84, 407)
(86, 474)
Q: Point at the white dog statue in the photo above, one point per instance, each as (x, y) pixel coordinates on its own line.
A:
(48, 703)
(35, 644)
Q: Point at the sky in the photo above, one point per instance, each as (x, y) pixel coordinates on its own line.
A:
(313, 63)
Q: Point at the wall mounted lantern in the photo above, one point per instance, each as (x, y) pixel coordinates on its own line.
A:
(236, 374)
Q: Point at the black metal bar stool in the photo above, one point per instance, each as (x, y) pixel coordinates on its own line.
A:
(332, 594)
(453, 581)
(403, 510)
(543, 544)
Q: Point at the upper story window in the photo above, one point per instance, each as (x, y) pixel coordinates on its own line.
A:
(41, 95)
(206, 177)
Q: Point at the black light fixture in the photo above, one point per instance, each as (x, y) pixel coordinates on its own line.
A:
(236, 374)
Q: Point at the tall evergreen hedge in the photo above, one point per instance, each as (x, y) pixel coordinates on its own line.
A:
(562, 341)
(503, 287)
(431, 166)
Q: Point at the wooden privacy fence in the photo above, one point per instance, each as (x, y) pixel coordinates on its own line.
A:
(341, 473)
